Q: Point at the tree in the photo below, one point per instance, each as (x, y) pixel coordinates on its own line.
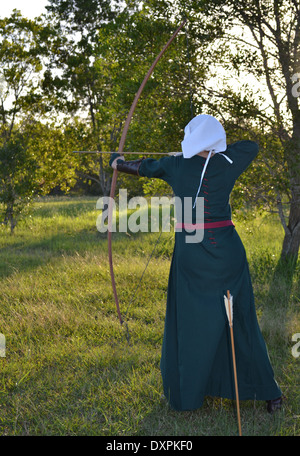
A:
(32, 154)
(103, 68)
(21, 55)
(20, 66)
(78, 77)
(17, 183)
(253, 57)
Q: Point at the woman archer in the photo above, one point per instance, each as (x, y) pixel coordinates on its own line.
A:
(196, 358)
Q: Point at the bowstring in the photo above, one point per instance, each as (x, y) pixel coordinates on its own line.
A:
(134, 295)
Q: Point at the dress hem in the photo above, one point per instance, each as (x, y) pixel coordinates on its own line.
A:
(254, 393)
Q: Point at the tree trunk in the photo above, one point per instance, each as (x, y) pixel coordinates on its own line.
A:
(13, 224)
(9, 217)
(104, 179)
(291, 242)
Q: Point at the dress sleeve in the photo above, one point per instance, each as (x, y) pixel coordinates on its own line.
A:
(242, 153)
(162, 169)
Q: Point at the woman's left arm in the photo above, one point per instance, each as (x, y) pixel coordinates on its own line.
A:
(145, 167)
(129, 166)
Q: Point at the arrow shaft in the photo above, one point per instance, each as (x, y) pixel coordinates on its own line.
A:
(234, 365)
(123, 153)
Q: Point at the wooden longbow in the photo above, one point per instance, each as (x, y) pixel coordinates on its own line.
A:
(115, 173)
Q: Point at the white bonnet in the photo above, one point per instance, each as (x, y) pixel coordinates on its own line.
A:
(203, 132)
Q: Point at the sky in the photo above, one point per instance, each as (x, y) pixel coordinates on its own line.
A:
(28, 8)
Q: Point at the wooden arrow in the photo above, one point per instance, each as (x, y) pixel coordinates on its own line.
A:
(123, 153)
(228, 300)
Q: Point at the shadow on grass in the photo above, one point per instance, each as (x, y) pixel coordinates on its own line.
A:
(27, 255)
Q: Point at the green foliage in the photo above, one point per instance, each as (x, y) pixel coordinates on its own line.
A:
(36, 159)
(17, 182)
(22, 171)
(79, 15)
(156, 187)
(103, 72)
(85, 60)
(21, 56)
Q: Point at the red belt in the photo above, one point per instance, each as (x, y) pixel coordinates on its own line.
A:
(201, 226)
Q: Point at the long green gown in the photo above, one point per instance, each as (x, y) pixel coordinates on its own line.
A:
(196, 353)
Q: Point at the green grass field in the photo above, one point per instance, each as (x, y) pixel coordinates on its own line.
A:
(69, 369)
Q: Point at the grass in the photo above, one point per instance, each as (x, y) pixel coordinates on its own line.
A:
(68, 368)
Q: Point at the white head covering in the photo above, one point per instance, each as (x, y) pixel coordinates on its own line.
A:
(203, 132)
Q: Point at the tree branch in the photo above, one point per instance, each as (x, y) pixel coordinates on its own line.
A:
(87, 176)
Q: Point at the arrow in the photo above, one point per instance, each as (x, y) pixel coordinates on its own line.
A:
(124, 153)
(229, 311)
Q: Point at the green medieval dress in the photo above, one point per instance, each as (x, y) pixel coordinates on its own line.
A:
(196, 353)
